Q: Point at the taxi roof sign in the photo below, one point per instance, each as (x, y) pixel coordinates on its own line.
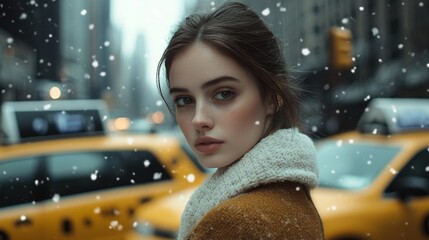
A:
(32, 120)
(395, 115)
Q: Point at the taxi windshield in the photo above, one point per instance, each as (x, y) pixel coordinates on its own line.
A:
(351, 166)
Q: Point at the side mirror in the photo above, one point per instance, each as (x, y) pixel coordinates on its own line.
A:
(410, 187)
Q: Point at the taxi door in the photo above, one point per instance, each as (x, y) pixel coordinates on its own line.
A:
(104, 215)
(93, 194)
(418, 209)
(393, 220)
(410, 189)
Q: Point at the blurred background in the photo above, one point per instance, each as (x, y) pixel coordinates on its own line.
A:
(344, 52)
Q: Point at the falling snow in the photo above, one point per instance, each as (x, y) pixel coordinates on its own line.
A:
(190, 178)
(56, 198)
(97, 210)
(157, 176)
(375, 31)
(94, 175)
(47, 106)
(94, 64)
(23, 16)
(305, 51)
(265, 12)
(314, 128)
(114, 225)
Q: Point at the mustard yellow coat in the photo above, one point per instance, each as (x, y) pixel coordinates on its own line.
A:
(282, 210)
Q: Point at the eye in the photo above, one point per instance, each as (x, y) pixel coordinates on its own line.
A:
(183, 101)
(224, 95)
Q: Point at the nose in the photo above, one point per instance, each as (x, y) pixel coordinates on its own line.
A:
(202, 119)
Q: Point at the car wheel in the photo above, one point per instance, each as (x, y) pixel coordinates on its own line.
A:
(3, 236)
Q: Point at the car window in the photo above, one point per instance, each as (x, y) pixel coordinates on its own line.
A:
(74, 173)
(18, 181)
(38, 178)
(418, 166)
(351, 166)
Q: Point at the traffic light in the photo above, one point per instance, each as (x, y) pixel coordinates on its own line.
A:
(340, 48)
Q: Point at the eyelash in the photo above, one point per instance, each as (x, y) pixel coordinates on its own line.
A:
(230, 93)
(182, 98)
(220, 98)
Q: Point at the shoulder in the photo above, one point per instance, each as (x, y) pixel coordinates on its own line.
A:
(274, 211)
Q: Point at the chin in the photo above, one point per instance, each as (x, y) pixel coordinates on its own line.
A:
(215, 164)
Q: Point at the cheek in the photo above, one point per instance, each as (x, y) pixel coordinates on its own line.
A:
(248, 114)
(185, 123)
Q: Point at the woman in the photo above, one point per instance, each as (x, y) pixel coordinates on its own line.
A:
(237, 109)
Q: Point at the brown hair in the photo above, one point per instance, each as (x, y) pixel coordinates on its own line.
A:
(236, 30)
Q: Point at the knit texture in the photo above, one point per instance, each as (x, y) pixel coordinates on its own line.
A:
(286, 155)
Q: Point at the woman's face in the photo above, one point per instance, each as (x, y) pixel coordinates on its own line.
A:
(218, 105)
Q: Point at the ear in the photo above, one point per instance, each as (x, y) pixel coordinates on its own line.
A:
(273, 104)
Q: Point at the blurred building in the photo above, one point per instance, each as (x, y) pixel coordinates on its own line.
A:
(391, 48)
(17, 67)
(390, 53)
(85, 47)
(27, 27)
(53, 43)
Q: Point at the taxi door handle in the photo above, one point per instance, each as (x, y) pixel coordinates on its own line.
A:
(67, 226)
(23, 222)
(110, 212)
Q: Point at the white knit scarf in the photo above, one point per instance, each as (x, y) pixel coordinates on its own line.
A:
(286, 155)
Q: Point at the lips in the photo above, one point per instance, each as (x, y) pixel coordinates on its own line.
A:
(208, 144)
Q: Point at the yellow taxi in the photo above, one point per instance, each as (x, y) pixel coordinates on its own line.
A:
(374, 182)
(77, 182)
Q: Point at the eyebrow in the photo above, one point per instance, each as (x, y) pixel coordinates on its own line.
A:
(207, 84)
